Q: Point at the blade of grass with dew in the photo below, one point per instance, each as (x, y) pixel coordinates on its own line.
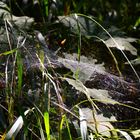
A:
(47, 124)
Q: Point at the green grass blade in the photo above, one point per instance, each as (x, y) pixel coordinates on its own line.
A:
(46, 7)
(19, 71)
(64, 119)
(47, 124)
(61, 127)
(68, 128)
(9, 52)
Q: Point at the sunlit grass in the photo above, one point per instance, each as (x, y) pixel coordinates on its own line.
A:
(34, 104)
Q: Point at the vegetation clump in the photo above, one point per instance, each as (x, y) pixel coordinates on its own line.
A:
(69, 70)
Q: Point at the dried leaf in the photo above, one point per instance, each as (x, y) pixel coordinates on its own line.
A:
(23, 22)
(78, 23)
(100, 95)
(123, 44)
(102, 124)
(136, 133)
(85, 68)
